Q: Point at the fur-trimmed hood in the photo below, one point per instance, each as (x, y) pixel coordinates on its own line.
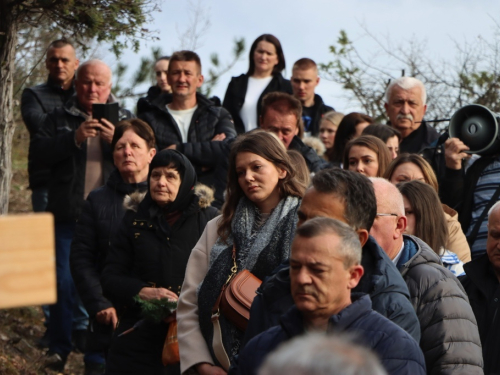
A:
(204, 193)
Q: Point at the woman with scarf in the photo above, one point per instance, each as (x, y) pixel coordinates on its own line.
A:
(148, 259)
(259, 219)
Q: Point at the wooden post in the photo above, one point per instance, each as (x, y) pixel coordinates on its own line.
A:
(27, 260)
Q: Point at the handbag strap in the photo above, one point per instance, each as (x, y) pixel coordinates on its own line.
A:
(217, 344)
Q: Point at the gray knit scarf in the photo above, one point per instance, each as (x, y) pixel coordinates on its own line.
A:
(258, 249)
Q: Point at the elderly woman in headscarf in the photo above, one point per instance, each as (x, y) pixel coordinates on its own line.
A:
(148, 259)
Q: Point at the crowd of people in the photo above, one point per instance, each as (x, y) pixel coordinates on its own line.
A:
(377, 245)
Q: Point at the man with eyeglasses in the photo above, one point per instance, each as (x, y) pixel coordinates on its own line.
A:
(348, 197)
(449, 335)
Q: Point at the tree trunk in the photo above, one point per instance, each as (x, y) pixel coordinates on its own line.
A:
(8, 41)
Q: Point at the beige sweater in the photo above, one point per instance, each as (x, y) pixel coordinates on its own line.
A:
(457, 242)
(192, 346)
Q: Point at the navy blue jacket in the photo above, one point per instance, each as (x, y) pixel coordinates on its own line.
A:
(381, 280)
(398, 352)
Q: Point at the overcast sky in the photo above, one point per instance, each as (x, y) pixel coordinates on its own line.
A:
(308, 28)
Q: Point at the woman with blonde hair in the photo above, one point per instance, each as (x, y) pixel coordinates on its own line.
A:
(408, 167)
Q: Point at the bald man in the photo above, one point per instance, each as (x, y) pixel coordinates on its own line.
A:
(77, 150)
(449, 335)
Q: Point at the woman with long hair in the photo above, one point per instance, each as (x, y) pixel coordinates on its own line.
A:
(367, 155)
(258, 220)
(351, 126)
(244, 93)
(426, 220)
(327, 131)
(390, 136)
(408, 167)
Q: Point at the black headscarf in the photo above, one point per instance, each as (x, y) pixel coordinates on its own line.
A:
(178, 161)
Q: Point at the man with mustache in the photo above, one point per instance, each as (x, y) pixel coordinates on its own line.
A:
(76, 149)
(325, 267)
(405, 105)
(187, 120)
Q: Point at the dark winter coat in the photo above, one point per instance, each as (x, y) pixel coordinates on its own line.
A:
(319, 109)
(55, 146)
(483, 289)
(450, 338)
(381, 280)
(143, 103)
(208, 120)
(36, 102)
(418, 139)
(102, 213)
(457, 190)
(314, 162)
(398, 352)
(147, 252)
(237, 90)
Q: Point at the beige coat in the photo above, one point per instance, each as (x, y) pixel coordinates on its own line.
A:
(457, 242)
(192, 346)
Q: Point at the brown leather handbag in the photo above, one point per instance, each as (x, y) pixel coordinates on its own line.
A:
(234, 303)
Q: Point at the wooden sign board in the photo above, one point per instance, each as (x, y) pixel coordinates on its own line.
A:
(27, 260)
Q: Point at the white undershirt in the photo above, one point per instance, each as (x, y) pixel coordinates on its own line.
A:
(248, 112)
(396, 258)
(183, 119)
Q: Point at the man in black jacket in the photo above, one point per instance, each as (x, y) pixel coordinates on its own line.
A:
(76, 149)
(482, 284)
(186, 120)
(405, 105)
(348, 197)
(37, 101)
(304, 81)
(450, 339)
(324, 269)
(282, 115)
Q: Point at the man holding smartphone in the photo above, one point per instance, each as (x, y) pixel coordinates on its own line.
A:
(76, 148)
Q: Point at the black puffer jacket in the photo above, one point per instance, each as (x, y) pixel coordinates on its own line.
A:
(483, 289)
(450, 338)
(102, 213)
(36, 102)
(237, 90)
(55, 146)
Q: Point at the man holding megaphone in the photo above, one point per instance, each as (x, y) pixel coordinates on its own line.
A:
(472, 188)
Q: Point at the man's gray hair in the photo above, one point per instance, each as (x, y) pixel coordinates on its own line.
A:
(350, 247)
(94, 62)
(493, 208)
(406, 83)
(320, 354)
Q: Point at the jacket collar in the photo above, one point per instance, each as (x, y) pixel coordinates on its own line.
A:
(481, 273)
(292, 321)
(56, 86)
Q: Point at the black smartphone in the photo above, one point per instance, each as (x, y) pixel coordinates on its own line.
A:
(108, 111)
